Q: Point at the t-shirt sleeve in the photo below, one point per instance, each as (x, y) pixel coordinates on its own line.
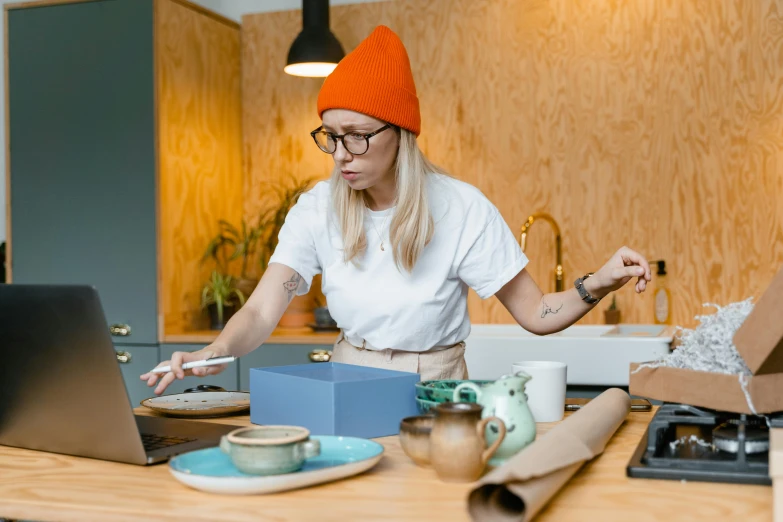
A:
(296, 241)
(492, 256)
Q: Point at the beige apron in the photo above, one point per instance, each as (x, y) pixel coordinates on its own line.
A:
(442, 362)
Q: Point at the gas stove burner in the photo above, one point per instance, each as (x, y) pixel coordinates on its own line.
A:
(748, 421)
(685, 442)
(725, 438)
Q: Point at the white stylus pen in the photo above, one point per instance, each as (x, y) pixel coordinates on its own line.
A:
(196, 364)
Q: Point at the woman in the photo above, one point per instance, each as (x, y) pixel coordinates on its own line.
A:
(398, 242)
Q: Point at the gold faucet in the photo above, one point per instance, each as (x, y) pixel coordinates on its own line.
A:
(559, 275)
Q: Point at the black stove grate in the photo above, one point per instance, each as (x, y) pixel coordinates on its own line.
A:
(678, 445)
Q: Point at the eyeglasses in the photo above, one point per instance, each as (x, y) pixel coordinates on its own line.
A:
(354, 142)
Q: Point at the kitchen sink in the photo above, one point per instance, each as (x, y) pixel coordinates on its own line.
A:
(595, 354)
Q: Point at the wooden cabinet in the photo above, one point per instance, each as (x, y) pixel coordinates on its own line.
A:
(275, 355)
(82, 154)
(135, 360)
(228, 379)
(237, 375)
(124, 151)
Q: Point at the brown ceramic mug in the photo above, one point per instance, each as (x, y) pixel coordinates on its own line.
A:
(415, 438)
(458, 447)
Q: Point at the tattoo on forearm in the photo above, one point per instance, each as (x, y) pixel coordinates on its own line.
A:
(546, 309)
(291, 285)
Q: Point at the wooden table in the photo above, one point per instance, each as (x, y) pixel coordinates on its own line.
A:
(42, 486)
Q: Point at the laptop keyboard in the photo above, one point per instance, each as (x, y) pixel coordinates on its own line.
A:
(154, 442)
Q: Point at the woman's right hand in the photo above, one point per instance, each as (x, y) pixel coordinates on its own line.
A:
(177, 359)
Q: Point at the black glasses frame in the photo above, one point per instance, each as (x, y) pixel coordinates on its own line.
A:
(341, 137)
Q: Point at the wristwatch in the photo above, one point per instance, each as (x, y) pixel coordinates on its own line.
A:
(583, 293)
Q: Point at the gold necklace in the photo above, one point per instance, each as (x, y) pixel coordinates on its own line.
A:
(372, 221)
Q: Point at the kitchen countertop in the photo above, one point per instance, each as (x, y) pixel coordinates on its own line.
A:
(279, 336)
(44, 486)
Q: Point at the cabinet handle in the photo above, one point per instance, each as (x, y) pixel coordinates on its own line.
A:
(124, 357)
(320, 355)
(120, 330)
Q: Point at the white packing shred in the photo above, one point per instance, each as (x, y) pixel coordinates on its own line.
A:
(693, 439)
(710, 346)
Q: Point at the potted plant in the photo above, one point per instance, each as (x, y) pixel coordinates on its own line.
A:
(244, 240)
(273, 217)
(247, 241)
(300, 311)
(612, 314)
(218, 297)
(323, 319)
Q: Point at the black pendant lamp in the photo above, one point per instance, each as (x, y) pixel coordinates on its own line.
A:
(316, 51)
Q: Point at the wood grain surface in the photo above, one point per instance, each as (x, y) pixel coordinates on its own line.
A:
(279, 336)
(43, 486)
(199, 151)
(657, 125)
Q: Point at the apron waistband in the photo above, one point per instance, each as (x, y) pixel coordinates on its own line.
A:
(362, 344)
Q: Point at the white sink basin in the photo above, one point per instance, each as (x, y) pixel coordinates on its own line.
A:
(595, 355)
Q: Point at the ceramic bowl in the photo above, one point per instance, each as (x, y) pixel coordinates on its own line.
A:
(269, 450)
(415, 438)
(443, 390)
(425, 406)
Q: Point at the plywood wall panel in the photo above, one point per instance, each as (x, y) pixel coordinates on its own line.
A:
(198, 82)
(657, 125)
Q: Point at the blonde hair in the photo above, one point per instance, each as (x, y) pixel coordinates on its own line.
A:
(411, 227)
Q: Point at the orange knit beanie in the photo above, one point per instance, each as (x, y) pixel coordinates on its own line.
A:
(375, 79)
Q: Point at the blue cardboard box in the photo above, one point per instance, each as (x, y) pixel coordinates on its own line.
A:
(333, 398)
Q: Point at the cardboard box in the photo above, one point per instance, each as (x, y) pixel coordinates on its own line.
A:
(760, 343)
(333, 398)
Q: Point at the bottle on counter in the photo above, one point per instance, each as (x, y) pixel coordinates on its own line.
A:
(662, 302)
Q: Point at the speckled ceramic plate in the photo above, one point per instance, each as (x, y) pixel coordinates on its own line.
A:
(201, 404)
(213, 471)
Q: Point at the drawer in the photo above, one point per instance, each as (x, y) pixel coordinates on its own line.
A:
(275, 355)
(135, 360)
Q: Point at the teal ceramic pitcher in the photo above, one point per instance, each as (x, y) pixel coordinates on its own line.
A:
(505, 399)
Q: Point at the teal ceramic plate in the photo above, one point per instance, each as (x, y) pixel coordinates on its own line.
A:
(443, 390)
(211, 470)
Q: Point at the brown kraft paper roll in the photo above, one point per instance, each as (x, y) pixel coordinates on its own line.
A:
(523, 485)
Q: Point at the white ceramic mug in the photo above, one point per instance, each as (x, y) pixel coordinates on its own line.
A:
(546, 390)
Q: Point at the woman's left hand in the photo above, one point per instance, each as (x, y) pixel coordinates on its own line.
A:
(623, 266)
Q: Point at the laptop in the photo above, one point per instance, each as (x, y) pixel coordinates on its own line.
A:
(61, 388)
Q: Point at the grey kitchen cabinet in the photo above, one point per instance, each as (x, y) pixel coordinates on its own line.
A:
(275, 355)
(227, 379)
(135, 360)
(82, 155)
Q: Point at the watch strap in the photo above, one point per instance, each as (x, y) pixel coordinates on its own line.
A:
(583, 293)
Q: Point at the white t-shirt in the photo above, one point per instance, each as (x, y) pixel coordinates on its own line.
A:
(472, 246)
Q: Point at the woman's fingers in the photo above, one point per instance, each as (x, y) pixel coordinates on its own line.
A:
(627, 272)
(152, 377)
(209, 370)
(164, 383)
(176, 365)
(631, 257)
(176, 362)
